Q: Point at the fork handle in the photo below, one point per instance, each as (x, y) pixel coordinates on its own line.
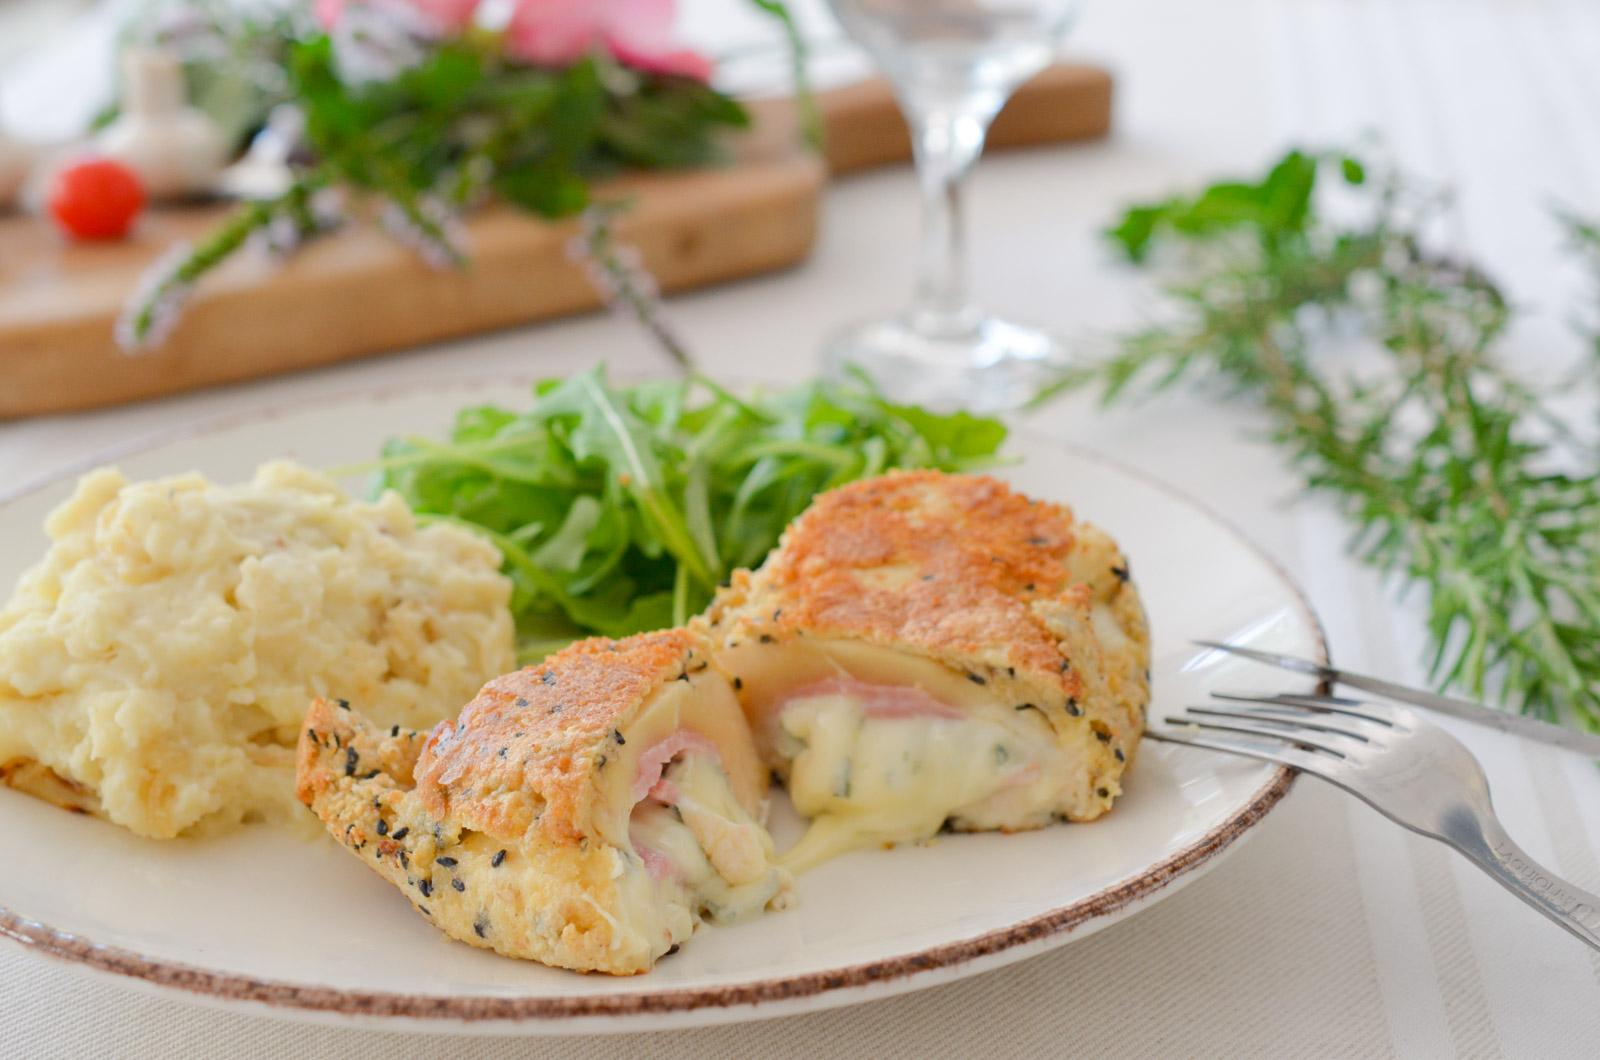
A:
(1481, 838)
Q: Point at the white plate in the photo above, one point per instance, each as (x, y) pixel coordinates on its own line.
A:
(264, 922)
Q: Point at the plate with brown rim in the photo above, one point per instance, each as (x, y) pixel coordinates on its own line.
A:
(266, 922)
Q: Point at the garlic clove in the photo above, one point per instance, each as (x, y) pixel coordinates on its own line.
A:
(176, 149)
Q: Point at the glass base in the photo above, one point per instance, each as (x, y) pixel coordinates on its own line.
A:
(985, 366)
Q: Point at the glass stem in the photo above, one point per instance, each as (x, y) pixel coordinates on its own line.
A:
(946, 141)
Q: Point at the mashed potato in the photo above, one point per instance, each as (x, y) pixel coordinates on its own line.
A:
(156, 665)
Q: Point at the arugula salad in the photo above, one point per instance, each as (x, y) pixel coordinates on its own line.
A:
(619, 508)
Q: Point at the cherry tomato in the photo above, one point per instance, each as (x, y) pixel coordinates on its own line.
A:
(96, 199)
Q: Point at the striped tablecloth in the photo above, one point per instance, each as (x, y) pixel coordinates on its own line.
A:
(1331, 933)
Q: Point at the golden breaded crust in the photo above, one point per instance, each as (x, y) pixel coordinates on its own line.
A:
(531, 896)
(959, 565)
(525, 751)
(963, 570)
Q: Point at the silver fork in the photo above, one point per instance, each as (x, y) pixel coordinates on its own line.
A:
(1408, 769)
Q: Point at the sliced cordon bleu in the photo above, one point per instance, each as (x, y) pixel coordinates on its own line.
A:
(927, 651)
(587, 812)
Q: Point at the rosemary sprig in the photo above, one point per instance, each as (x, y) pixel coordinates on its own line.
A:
(1457, 476)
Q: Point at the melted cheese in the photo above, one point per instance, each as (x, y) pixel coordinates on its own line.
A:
(720, 860)
(869, 781)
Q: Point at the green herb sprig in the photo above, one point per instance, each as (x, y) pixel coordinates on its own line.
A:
(1457, 476)
(431, 139)
(619, 509)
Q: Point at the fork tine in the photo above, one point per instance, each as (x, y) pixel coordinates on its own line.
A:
(1280, 754)
(1246, 727)
(1330, 704)
(1308, 697)
(1290, 718)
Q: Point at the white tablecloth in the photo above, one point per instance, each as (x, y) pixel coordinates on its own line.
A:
(1331, 933)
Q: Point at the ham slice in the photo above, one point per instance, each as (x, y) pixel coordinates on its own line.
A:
(657, 864)
(877, 701)
(653, 761)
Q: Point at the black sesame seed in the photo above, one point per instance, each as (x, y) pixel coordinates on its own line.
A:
(556, 709)
(1028, 588)
(401, 832)
(1121, 573)
(601, 764)
(1038, 540)
(1065, 666)
(521, 702)
(1120, 756)
(737, 684)
(425, 886)
(424, 909)
(977, 679)
(1103, 793)
(394, 731)
(447, 862)
(311, 734)
(1073, 708)
(372, 774)
(1011, 671)
(927, 577)
(1103, 737)
(344, 704)
(405, 862)
(350, 759)
(502, 752)
(548, 678)
(776, 614)
(617, 736)
(673, 950)
(480, 926)
(498, 859)
(1035, 706)
(458, 883)
(766, 638)
(383, 826)
(684, 676)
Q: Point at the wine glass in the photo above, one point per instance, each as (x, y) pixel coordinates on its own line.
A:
(952, 64)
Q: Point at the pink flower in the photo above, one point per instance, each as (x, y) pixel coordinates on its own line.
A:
(443, 18)
(637, 32)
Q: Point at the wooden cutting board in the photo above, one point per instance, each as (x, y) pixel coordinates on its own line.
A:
(360, 293)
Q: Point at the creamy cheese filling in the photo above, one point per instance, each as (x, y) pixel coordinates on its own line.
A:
(867, 777)
(699, 844)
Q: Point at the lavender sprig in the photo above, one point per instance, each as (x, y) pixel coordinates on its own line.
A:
(617, 271)
(427, 226)
(158, 300)
(165, 287)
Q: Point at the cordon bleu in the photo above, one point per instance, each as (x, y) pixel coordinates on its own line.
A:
(927, 651)
(587, 812)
